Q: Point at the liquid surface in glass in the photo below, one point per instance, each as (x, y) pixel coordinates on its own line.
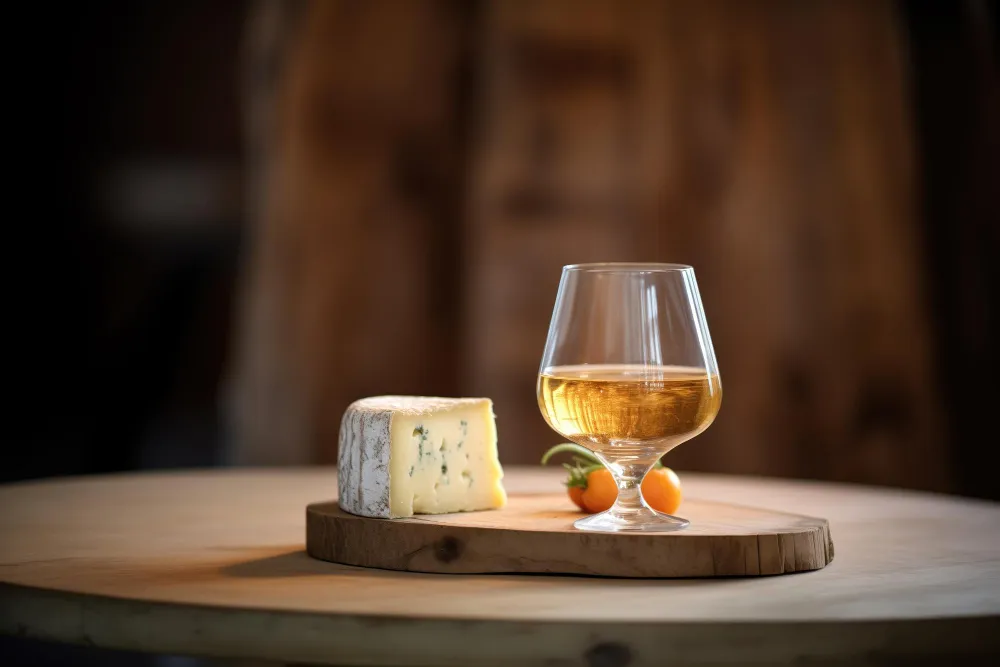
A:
(634, 407)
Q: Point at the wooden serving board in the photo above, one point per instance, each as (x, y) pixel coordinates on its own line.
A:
(535, 534)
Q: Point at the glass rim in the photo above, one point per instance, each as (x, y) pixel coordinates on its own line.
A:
(647, 267)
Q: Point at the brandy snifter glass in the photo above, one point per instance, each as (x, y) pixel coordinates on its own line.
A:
(629, 373)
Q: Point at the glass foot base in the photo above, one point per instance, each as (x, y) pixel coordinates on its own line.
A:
(644, 520)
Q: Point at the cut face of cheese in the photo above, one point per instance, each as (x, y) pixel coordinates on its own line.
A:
(406, 455)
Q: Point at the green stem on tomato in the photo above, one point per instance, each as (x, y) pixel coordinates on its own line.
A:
(580, 451)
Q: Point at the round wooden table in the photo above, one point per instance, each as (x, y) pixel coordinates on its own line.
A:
(212, 563)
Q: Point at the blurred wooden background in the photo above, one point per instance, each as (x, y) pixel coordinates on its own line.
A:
(288, 205)
(423, 170)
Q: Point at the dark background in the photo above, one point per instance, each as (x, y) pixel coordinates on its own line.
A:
(132, 118)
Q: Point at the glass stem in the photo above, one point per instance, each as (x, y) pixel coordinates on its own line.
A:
(628, 476)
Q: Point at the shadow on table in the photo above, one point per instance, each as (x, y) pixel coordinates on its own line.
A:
(292, 564)
(298, 563)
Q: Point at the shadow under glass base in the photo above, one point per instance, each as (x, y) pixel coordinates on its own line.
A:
(641, 520)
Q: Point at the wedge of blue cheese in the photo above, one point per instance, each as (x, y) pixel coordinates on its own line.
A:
(406, 455)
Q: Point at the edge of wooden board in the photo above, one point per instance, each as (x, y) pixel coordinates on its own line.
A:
(424, 544)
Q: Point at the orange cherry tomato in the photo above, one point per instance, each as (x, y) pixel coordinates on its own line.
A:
(662, 490)
(592, 488)
(601, 491)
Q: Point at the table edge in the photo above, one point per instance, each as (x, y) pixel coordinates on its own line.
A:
(312, 637)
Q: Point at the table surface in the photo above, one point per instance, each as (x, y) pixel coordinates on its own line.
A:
(213, 563)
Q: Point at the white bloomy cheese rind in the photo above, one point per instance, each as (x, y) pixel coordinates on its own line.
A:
(406, 455)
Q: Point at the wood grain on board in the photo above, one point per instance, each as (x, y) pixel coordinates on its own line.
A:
(535, 534)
